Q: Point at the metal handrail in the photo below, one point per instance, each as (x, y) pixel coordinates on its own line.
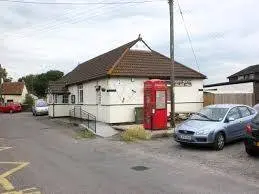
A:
(86, 116)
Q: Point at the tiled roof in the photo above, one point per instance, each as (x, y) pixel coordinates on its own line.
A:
(125, 62)
(246, 71)
(12, 88)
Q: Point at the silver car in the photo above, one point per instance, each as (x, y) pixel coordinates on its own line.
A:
(40, 108)
(215, 125)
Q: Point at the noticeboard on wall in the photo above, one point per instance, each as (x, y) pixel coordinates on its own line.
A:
(160, 99)
(183, 83)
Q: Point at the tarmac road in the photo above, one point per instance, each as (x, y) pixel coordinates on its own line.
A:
(41, 156)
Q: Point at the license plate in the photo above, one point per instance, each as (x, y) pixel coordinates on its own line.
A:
(257, 144)
(186, 137)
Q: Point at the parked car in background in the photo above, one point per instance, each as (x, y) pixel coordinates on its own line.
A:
(40, 107)
(251, 140)
(215, 125)
(10, 107)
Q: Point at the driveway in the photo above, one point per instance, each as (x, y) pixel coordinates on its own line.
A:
(37, 155)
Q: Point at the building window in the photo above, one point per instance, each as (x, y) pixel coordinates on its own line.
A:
(73, 99)
(241, 77)
(50, 99)
(55, 98)
(65, 98)
(251, 76)
(80, 94)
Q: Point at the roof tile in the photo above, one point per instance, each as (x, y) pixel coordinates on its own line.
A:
(12, 88)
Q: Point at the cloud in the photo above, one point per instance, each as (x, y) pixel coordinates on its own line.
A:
(36, 38)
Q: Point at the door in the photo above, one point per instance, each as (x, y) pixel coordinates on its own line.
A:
(246, 118)
(233, 127)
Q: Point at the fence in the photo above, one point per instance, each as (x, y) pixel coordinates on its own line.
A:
(79, 113)
(247, 99)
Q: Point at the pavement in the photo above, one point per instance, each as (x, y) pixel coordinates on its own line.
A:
(102, 129)
(41, 156)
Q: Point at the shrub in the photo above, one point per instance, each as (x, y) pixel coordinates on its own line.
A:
(135, 133)
(84, 134)
(28, 100)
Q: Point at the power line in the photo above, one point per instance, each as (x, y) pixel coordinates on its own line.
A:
(77, 17)
(80, 17)
(73, 3)
(189, 35)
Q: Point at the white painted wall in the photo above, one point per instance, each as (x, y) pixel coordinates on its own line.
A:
(118, 106)
(59, 110)
(232, 88)
(16, 98)
(128, 91)
(188, 99)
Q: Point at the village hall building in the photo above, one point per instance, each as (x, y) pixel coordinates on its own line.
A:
(111, 85)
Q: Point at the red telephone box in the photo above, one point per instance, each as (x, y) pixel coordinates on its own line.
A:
(155, 104)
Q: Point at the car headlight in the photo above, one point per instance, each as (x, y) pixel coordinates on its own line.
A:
(204, 132)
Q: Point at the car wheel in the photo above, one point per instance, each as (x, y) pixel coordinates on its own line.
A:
(250, 152)
(219, 141)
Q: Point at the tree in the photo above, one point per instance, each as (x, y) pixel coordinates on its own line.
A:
(8, 79)
(38, 84)
(28, 79)
(28, 100)
(3, 73)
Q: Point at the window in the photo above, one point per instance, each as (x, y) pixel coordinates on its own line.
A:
(65, 98)
(244, 111)
(56, 98)
(246, 77)
(241, 77)
(73, 99)
(251, 76)
(160, 99)
(252, 111)
(80, 94)
(99, 97)
(50, 99)
(213, 114)
(234, 113)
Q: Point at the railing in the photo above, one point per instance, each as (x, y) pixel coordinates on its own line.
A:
(78, 112)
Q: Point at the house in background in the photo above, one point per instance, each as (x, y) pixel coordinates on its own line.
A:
(13, 92)
(245, 83)
(111, 85)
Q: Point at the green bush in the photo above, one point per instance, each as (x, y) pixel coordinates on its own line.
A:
(84, 134)
(135, 133)
(28, 100)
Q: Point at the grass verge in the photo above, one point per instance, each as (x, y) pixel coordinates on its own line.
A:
(84, 134)
(135, 133)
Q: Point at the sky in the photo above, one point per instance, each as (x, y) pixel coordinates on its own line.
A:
(36, 38)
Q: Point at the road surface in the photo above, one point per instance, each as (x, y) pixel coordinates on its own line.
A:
(39, 156)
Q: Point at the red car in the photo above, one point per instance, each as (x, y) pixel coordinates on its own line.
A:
(10, 107)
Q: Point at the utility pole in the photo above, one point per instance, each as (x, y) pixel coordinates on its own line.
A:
(172, 77)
